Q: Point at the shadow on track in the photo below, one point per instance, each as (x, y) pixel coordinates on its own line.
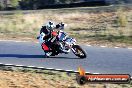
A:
(21, 56)
(32, 56)
(55, 57)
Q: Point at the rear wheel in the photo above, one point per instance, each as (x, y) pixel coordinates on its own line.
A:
(78, 51)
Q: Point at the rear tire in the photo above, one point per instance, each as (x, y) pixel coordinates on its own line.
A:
(79, 51)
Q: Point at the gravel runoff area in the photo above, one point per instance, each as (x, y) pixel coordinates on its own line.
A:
(19, 77)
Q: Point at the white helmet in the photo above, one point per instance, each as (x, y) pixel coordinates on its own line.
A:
(50, 25)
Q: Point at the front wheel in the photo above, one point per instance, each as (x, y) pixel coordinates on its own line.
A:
(78, 51)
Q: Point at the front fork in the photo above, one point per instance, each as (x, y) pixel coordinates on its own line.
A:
(73, 50)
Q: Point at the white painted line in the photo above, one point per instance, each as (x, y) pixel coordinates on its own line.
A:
(58, 69)
(95, 73)
(102, 46)
(30, 66)
(116, 47)
(5, 40)
(87, 72)
(16, 41)
(8, 64)
(50, 68)
(40, 67)
(88, 45)
(20, 41)
(19, 65)
(13, 41)
(76, 71)
(38, 42)
(129, 48)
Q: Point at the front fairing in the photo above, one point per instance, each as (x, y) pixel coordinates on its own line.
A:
(62, 35)
(70, 41)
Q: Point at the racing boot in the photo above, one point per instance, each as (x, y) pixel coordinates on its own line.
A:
(47, 54)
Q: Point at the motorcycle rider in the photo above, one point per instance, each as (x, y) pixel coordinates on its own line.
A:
(60, 28)
(48, 29)
(61, 42)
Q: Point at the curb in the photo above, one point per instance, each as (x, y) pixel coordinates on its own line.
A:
(43, 68)
(112, 47)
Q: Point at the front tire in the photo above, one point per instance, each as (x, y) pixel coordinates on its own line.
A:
(78, 51)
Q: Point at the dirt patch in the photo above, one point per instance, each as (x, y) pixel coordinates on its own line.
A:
(14, 77)
(81, 25)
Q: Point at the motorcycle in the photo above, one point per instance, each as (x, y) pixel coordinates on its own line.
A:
(68, 44)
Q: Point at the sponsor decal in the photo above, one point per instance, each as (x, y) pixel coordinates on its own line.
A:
(83, 78)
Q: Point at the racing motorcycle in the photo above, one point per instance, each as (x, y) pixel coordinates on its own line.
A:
(58, 39)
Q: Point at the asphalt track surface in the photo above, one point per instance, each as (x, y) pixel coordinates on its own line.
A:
(99, 60)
